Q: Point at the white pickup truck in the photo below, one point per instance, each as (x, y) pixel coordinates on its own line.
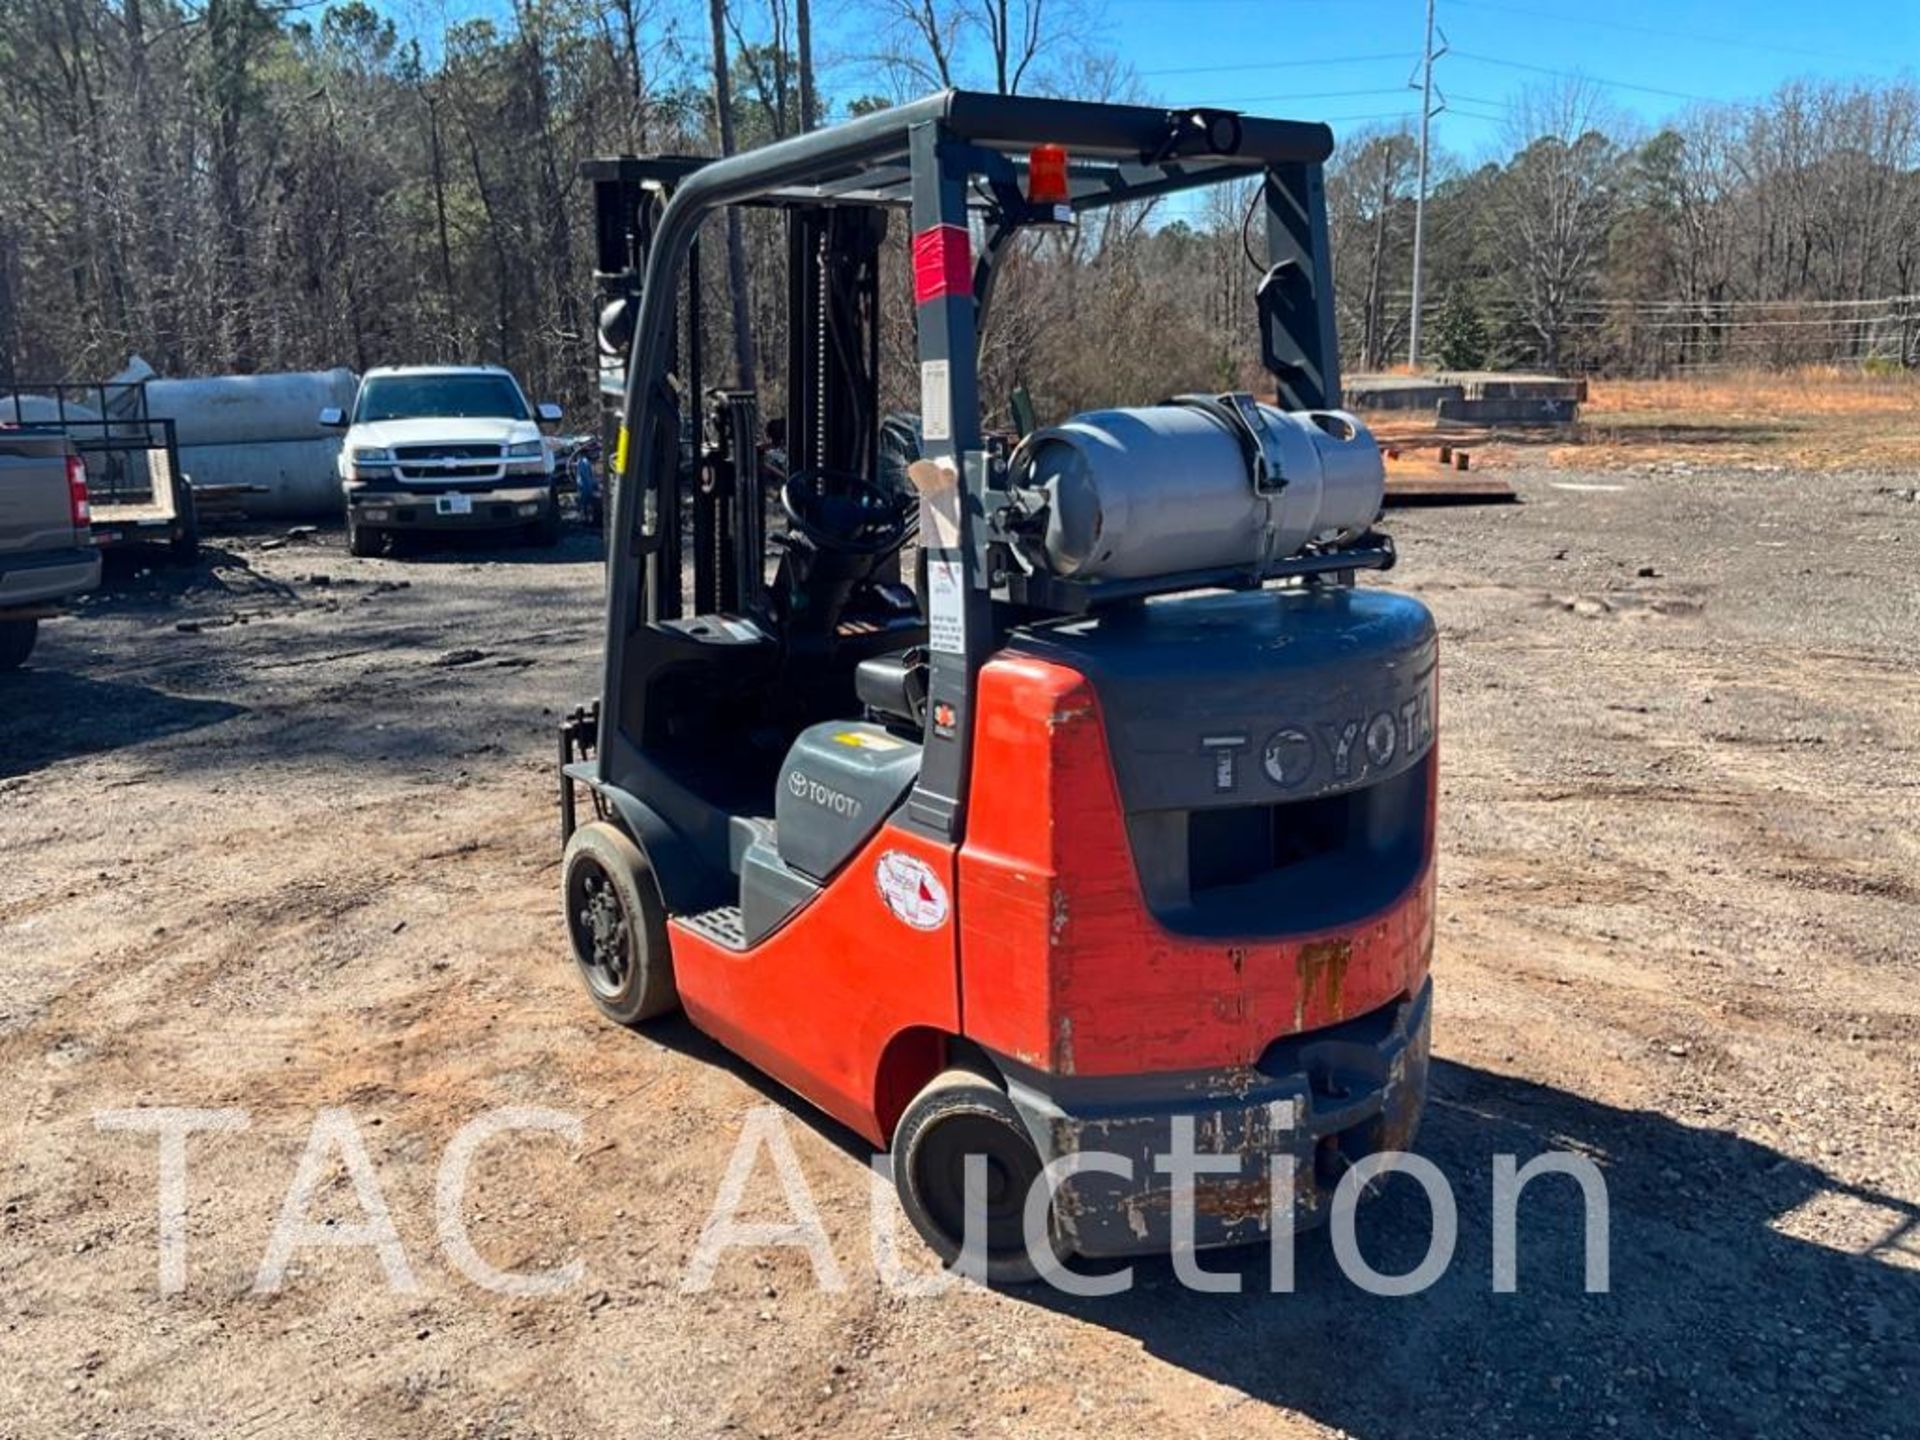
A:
(445, 447)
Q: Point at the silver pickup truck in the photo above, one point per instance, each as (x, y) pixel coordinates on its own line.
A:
(46, 543)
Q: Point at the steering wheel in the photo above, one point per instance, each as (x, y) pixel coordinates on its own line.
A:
(861, 518)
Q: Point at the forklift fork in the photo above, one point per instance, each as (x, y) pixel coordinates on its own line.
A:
(579, 734)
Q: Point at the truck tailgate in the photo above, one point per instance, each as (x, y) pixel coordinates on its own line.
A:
(36, 510)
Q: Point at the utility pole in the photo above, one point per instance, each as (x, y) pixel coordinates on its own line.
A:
(809, 108)
(1427, 111)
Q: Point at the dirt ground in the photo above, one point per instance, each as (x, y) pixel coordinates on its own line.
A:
(280, 836)
(1818, 419)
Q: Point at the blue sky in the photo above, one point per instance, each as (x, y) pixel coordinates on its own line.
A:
(1348, 61)
(1335, 60)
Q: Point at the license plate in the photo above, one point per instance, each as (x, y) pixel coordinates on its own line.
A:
(453, 504)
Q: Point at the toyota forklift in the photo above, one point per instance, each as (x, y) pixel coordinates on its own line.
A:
(1015, 801)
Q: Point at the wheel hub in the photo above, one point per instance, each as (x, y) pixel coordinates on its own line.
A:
(1005, 1176)
(601, 921)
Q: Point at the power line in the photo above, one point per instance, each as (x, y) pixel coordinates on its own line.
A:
(1375, 115)
(1591, 79)
(1628, 303)
(1453, 107)
(1706, 322)
(1283, 64)
(1407, 115)
(1735, 41)
(1312, 95)
(1897, 310)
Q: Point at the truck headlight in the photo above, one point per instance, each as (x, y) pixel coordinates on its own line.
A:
(526, 450)
(367, 456)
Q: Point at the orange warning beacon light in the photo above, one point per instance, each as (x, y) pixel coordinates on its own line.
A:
(1047, 187)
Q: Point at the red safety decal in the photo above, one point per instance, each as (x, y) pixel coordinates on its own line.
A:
(942, 263)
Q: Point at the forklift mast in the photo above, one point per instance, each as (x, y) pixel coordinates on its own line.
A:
(833, 339)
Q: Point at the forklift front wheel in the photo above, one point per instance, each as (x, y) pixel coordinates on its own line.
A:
(617, 924)
(959, 1115)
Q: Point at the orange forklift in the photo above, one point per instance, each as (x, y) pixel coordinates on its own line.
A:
(1121, 813)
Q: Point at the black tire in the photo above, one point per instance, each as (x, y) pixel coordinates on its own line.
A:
(364, 540)
(16, 642)
(185, 546)
(545, 532)
(617, 925)
(961, 1113)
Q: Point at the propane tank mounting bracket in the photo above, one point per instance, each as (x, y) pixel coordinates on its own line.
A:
(1065, 596)
(1239, 412)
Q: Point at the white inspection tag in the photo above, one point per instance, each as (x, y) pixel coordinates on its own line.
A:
(946, 612)
(939, 485)
(936, 415)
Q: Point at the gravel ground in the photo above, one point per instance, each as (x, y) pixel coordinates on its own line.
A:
(279, 837)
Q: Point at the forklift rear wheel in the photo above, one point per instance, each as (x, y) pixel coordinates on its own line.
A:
(617, 924)
(16, 642)
(962, 1114)
(364, 540)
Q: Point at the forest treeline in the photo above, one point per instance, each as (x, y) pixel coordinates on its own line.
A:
(237, 185)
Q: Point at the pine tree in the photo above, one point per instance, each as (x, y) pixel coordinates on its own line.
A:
(1463, 341)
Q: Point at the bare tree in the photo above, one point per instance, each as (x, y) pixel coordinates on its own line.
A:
(628, 46)
(1016, 31)
(996, 44)
(1548, 226)
(745, 367)
(1704, 218)
(921, 39)
(1369, 200)
(274, 184)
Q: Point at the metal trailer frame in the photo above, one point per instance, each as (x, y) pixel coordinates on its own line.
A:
(946, 161)
(123, 513)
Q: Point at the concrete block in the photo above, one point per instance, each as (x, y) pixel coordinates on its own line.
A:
(1535, 410)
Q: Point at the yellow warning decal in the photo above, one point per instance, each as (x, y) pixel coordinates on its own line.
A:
(861, 740)
(620, 453)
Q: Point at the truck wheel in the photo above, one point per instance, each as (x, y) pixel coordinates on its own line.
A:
(960, 1114)
(364, 540)
(545, 532)
(185, 545)
(16, 642)
(618, 925)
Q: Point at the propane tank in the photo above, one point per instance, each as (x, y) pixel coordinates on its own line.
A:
(1162, 489)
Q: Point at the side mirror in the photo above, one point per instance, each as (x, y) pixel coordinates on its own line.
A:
(548, 412)
(333, 418)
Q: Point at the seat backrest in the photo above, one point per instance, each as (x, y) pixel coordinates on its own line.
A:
(894, 687)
